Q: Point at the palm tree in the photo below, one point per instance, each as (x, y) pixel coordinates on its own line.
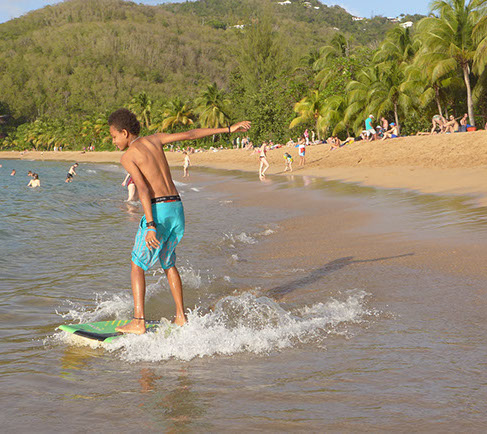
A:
(339, 47)
(141, 105)
(176, 113)
(309, 109)
(212, 107)
(421, 82)
(333, 114)
(358, 97)
(398, 47)
(450, 41)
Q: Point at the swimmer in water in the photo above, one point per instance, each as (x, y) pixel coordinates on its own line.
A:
(132, 190)
(35, 181)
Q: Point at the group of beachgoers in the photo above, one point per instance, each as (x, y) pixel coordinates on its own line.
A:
(288, 158)
(36, 182)
(440, 125)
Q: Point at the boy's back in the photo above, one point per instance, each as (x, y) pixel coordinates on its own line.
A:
(146, 156)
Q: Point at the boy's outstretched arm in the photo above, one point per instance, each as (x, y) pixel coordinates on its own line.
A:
(201, 132)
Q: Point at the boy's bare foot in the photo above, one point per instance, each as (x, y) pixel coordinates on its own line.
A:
(136, 326)
(180, 320)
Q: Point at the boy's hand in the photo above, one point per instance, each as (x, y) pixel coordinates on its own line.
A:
(151, 241)
(240, 126)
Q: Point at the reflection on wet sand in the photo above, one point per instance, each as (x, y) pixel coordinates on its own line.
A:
(176, 407)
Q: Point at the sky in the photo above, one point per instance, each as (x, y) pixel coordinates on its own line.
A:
(15, 8)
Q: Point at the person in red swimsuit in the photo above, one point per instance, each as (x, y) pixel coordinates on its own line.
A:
(132, 190)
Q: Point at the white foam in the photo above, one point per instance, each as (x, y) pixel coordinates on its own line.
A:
(242, 238)
(120, 305)
(244, 323)
(195, 189)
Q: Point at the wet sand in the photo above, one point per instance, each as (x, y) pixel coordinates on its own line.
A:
(419, 364)
(441, 164)
(414, 360)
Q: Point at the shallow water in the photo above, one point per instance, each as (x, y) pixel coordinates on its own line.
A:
(349, 345)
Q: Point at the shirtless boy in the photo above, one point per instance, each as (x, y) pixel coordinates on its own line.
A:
(71, 173)
(162, 226)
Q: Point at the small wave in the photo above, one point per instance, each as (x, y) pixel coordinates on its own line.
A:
(242, 238)
(245, 323)
(195, 189)
(90, 171)
(179, 183)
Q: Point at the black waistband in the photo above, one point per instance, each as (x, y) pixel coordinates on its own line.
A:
(175, 198)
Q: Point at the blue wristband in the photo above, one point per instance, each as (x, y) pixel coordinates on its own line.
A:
(151, 229)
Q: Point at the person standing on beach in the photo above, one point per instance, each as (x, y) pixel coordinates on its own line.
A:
(302, 152)
(186, 165)
(71, 173)
(162, 225)
(370, 129)
(264, 164)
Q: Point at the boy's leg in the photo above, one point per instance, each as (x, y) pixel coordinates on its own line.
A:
(177, 292)
(137, 325)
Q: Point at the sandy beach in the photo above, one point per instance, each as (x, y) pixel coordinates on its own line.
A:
(440, 164)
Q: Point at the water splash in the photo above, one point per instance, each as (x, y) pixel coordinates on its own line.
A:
(120, 305)
(245, 323)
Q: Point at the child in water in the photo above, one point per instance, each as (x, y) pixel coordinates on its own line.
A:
(162, 226)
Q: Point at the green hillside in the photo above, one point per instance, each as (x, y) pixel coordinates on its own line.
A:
(83, 55)
(199, 63)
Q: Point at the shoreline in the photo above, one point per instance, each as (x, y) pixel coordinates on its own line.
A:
(454, 164)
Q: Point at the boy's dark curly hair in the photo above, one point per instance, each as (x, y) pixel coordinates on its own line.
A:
(124, 119)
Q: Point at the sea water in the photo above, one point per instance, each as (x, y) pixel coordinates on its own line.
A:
(354, 353)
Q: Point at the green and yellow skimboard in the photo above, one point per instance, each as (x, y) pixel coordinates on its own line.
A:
(104, 331)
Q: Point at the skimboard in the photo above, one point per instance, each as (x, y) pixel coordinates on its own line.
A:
(104, 331)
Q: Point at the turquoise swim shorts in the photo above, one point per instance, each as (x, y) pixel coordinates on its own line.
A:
(169, 220)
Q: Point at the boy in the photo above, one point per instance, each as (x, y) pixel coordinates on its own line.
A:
(162, 226)
(71, 173)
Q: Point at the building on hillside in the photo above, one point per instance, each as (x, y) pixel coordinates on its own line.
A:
(406, 24)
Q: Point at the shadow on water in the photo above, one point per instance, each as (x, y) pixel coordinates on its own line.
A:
(280, 291)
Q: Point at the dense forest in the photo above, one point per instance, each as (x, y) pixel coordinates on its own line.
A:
(210, 62)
